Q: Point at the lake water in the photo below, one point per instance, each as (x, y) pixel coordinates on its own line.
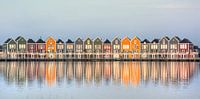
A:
(99, 80)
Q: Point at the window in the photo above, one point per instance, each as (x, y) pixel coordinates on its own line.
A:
(164, 46)
(125, 46)
(97, 46)
(88, 46)
(22, 46)
(173, 46)
(79, 47)
(116, 47)
(70, 46)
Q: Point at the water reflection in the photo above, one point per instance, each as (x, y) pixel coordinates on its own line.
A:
(98, 73)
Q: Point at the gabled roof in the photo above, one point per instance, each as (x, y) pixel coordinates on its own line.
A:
(155, 40)
(185, 41)
(135, 37)
(18, 38)
(31, 41)
(69, 41)
(7, 40)
(59, 41)
(145, 40)
(40, 41)
(107, 41)
(177, 38)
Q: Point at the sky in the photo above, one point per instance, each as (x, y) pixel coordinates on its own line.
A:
(100, 18)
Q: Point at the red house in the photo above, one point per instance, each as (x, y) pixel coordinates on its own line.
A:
(40, 46)
(31, 45)
(185, 48)
(107, 48)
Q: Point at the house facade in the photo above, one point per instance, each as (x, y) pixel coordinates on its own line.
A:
(79, 48)
(41, 48)
(51, 47)
(88, 48)
(174, 47)
(31, 46)
(116, 47)
(70, 48)
(136, 47)
(107, 48)
(145, 48)
(185, 48)
(164, 47)
(60, 48)
(126, 48)
(98, 48)
(21, 44)
(154, 49)
(10, 48)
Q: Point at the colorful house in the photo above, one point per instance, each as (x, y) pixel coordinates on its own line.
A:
(174, 47)
(69, 48)
(10, 48)
(154, 49)
(185, 48)
(116, 47)
(79, 47)
(88, 46)
(98, 47)
(126, 47)
(136, 47)
(145, 48)
(41, 46)
(31, 46)
(107, 48)
(51, 47)
(60, 48)
(60, 45)
(164, 47)
(21, 44)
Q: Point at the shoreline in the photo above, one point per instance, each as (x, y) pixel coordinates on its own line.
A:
(167, 60)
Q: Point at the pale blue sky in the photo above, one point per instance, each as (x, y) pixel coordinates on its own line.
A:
(104, 18)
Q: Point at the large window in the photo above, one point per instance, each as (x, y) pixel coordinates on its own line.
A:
(183, 46)
(116, 47)
(70, 46)
(163, 46)
(173, 46)
(88, 46)
(22, 46)
(97, 46)
(125, 47)
(154, 46)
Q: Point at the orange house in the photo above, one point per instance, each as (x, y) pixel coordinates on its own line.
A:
(51, 47)
(126, 47)
(136, 47)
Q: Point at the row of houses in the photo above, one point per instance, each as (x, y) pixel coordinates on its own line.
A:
(88, 48)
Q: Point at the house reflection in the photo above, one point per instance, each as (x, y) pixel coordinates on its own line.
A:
(98, 73)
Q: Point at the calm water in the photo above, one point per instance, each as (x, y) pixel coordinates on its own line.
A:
(99, 80)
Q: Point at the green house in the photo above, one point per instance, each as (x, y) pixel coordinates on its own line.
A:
(10, 46)
(98, 45)
(21, 44)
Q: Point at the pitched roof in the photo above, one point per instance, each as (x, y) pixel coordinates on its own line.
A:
(7, 40)
(145, 40)
(31, 41)
(155, 40)
(40, 41)
(177, 38)
(167, 37)
(69, 41)
(59, 41)
(18, 38)
(107, 41)
(185, 41)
